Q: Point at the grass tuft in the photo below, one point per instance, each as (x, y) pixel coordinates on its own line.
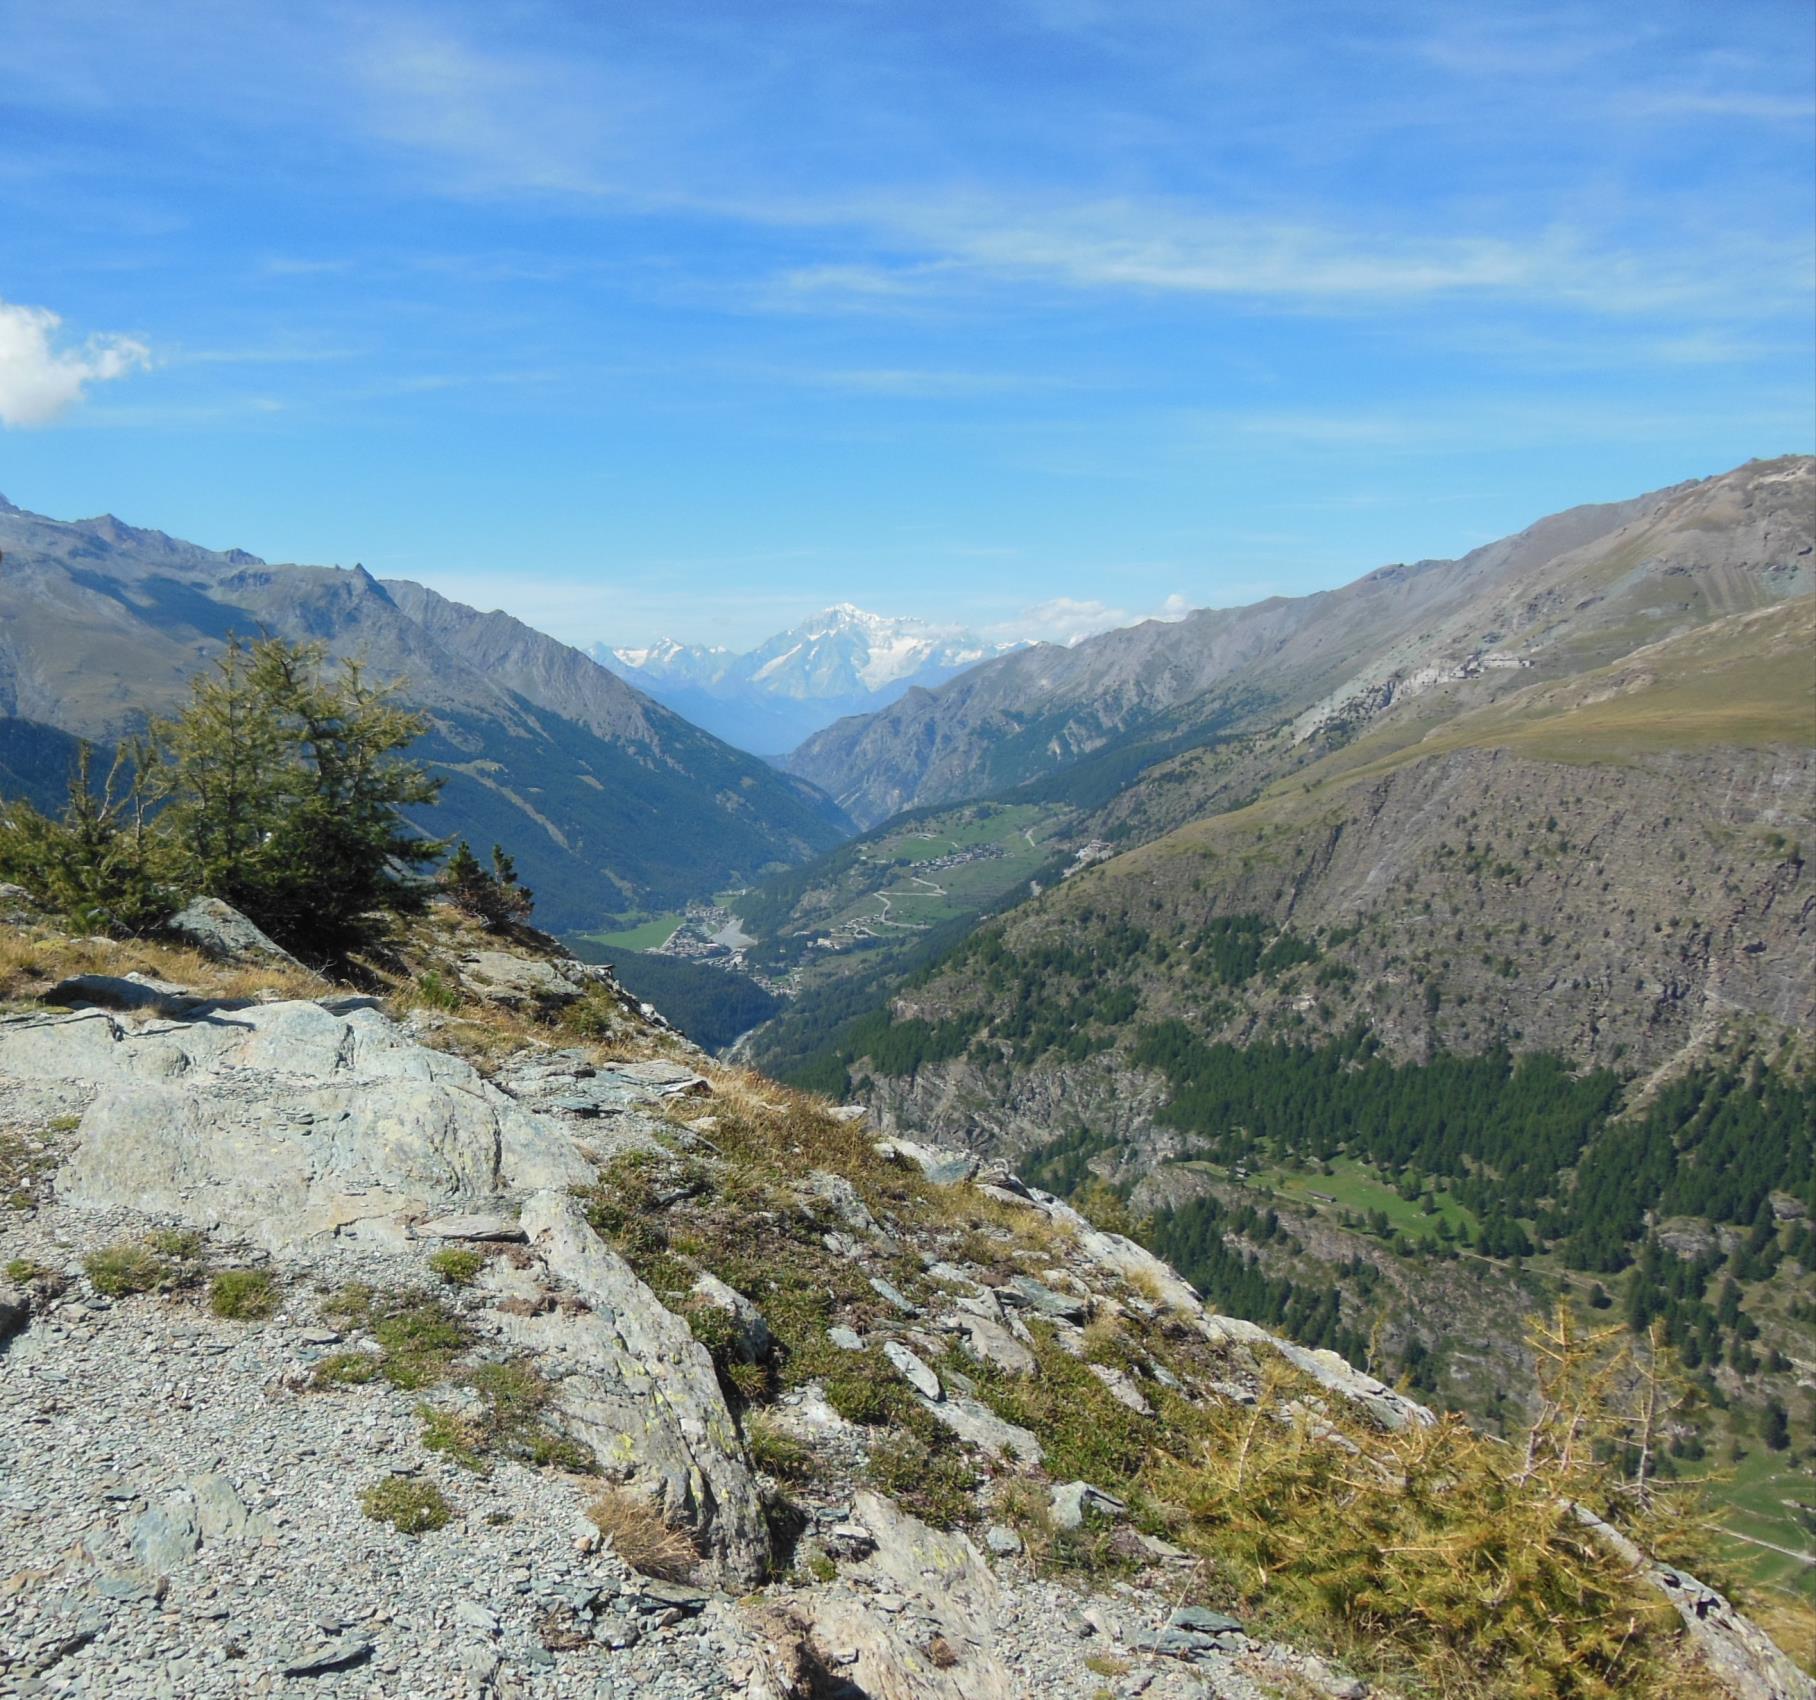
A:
(642, 1537)
(409, 1505)
(243, 1295)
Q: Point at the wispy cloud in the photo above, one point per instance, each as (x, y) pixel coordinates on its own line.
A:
(1069, 619)
(40, 380)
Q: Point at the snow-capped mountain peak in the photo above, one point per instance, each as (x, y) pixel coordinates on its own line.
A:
(842, 660)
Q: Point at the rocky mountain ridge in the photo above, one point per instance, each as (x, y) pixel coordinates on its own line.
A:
(1569, 594)
(611, 799)
(330, 1315)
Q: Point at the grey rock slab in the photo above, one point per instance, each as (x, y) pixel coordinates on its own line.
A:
(890, 1294)
(472, 1227)
(1122, 1388)
(218, 929)
(665, 1079)
(639, 1389)
(846, 1339)
(990, 1341)
(913, 1370)
(1035, 1295)
(942, 1588)
(943, 1168)
(975, 1423)
(283, 1121)
(841, 1197)
(123, 992)
(221, 1515)
(1002, 1541)
(166, 1533)
(1204, 1621)
(504, 977)
(342, 1653)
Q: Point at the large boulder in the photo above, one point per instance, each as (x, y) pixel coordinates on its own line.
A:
(935, 1639)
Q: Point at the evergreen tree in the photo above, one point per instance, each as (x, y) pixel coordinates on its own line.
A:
(286, 790)
(280, 789)
(494, 897)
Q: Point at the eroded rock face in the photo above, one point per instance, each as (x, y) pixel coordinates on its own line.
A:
(280, 1122)
(633, 1383)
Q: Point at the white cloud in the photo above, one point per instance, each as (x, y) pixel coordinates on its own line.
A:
(1069, 619)
(39, 381)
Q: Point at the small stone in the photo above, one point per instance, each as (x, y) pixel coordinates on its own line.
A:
(1003, 1542)
(1205, 1622)
(913, 1371)
(1071, 1501)
(850, 1541)
(846, 1339)
(342, 1653)
(892, 1295)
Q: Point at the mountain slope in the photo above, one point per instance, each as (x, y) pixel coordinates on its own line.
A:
(1438, 986)
(841, 661)
(611, 801)
(1570, 592)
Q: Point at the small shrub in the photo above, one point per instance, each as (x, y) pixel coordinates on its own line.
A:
(774, 1451)
(410, 1506)
(243, 1295)
(183, 1243)
(418, 1338)
(453, 1437)
(432, 990)
(641, 1537)
(21, 1271)
(458, 1265)
(933, 1482)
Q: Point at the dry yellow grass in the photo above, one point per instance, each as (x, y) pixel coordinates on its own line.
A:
(641, 1537)
(33, 959)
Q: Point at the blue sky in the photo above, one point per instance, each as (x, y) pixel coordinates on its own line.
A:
(693, 317)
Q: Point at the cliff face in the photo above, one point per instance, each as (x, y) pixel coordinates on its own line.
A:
(1617, 915)
(509, 1344)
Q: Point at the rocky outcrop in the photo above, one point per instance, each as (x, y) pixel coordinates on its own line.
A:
(300, 1126)
(635, 1386)
(283, 1122)
(218, 929)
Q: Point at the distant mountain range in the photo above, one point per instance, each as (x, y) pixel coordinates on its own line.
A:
(611, 802)
(839, 662)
